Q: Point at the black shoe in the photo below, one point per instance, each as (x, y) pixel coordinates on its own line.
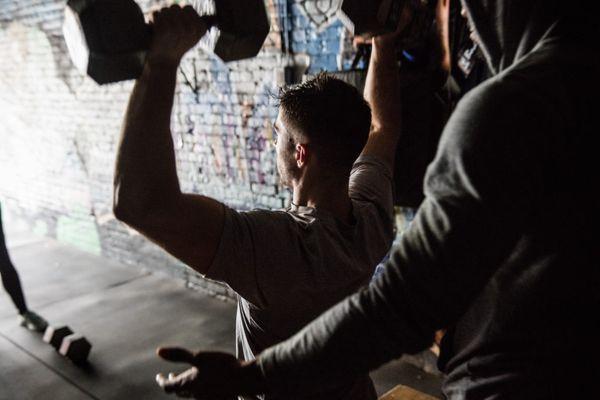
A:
(33, 321)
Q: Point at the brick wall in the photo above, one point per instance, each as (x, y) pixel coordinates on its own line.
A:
(59, 130)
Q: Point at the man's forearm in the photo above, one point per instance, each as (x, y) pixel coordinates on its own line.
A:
(382, 84)
(146, 175)
(382, 91)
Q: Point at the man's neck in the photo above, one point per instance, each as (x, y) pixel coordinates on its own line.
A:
(328, 196)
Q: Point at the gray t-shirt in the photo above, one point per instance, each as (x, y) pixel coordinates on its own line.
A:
(289, 266)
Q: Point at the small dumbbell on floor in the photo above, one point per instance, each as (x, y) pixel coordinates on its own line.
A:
(71, 345)
(55, 334)
(76, 348)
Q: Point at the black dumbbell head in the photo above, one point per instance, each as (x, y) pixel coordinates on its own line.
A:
(54, 335)
(76, 348)
(241, 30)
(107, 39)
(370, 18)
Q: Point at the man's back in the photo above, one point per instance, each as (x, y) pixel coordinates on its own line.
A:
(289, 266)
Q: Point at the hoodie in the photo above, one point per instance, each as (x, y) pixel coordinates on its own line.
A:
(502, 252)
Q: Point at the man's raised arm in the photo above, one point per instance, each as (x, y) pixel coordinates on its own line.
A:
(382, 91)
(146, 188)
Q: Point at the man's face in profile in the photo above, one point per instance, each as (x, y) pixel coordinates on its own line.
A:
(284, 146)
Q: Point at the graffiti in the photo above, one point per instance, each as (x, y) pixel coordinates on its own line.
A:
(192, 83)
(321, 13)
(274, 39)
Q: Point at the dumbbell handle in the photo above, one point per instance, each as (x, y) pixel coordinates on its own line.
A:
(209, 20)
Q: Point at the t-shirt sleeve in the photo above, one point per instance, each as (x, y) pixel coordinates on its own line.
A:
(371, 181)
(237, 259)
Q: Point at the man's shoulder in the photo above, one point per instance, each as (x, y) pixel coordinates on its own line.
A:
(531, 80)
(265, 213)
(368, 173)
(371, 185)
(281, 221)
(371, 162)
(506, 99)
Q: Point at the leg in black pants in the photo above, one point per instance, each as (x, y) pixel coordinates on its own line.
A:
(12, 284)
(10, 278)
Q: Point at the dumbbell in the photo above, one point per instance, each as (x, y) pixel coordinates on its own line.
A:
(71, 345)
(371, 18)
(76, 348)
(108, 39)
(376, 17)
(54, 335)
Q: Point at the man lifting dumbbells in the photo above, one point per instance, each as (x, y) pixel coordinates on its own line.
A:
(287, 266)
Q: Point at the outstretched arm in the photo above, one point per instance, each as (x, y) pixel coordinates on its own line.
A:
(146, 188)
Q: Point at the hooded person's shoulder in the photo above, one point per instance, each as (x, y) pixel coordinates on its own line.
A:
(492, 145)
(498, 110)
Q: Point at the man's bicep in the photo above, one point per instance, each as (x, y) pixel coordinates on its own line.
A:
(191, 231)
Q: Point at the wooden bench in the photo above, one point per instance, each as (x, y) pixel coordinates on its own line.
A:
(402, 392)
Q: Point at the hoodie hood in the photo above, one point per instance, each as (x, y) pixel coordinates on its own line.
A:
(510, 29)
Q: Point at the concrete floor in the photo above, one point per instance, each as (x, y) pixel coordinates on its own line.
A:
(125, 313)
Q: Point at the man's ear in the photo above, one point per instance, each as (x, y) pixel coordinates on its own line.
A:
(301, 155)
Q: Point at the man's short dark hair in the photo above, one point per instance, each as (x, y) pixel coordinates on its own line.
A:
(332, 114)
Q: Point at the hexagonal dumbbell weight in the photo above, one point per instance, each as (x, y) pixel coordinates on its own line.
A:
(371, 18)
(76, 348)
(54, 335)
(108, 39)
(375, 17)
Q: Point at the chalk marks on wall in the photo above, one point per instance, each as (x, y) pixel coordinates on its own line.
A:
(46, 151)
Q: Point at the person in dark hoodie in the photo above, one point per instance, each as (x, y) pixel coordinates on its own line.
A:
(502, 252)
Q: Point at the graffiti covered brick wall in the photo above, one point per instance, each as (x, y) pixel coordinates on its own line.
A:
(59, 130)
